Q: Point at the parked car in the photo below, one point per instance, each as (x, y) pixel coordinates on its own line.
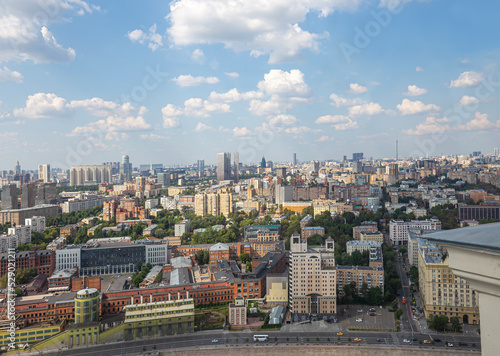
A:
(357, 339)
(437, 340)
(427, 342)
(380, 340)
(340, 333)
(406, 341)
(359, 320)
(391, 310)
(360, 310)
(372, 314)
(372, 309)
(214, 341)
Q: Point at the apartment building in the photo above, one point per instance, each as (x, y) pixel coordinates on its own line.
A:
(398, 230)
(260, 233)
(371, 236)
(213, 204)
(312, 288)
(361, 246)
(307, 232)
(37, 223)
(367, 226)
(441, 292)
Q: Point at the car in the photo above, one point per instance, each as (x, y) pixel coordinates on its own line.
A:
(437, 340)
(391, 310)
(465, 344)
(214, 341)
(380, 340)
(372, 314)
(414, 339)
(406, 341)
(427, 342)
(372, 309)
(357, 339)
(348, 315)
(340, 333)
(449, 344)
(360, 310)
(261, 319)
(359, 320)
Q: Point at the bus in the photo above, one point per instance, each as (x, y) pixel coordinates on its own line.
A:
(260, 337)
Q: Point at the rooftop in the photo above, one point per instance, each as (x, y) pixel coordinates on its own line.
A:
(486, 236)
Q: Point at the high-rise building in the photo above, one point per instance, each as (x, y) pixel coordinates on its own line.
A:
(164, 180)
(126, 169)
(314, 292)
(82, 175)
(294, 161)
(236, 166)
(284, 193)
(269, 164)
(281, 172)
(398, 230)
(495, 151)
(357, 167)
(9, 197)
(213, 204)
(44, 172)
(201, 166)
(263, 162)
(46, 193)
(357, 156)
(17, 168)
(223, 166)
(28, 194)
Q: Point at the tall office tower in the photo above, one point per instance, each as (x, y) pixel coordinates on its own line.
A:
(17, 168)
(294, 161)
(284, 193)
(357, 167)
(126, 169)
(281, 172)
(9, 197)
(313, 292)
(164, 180)
(344, 159)
(495, 151)
(46, 194)
(357, 156)
(269, 164)
(201, 166)
(28, 194)
(44, 172)
(263, 163)
(223, 166)
(236, 166)
(392, 173)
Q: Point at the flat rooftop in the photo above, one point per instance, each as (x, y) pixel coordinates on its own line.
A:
(486, 236)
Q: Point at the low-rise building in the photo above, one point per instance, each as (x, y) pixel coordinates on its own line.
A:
(371, 236)
(238, 312)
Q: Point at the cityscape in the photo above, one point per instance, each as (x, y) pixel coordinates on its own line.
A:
(207, 177)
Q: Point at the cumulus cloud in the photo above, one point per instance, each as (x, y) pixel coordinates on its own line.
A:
(102, 108)
(282, 120)
(286, 89)
(198, 56)
(419, 69)
(338, 122)
(408, 107)
(413, 90)
(153, 137)
(25, 35)
(480, 122)
(7, 75)
(366, 109)
(300, 130)
(202, 127)
(189, 80)
(467, 79)
(193, 107)
(152, 38)
(339, 101)
(234, 95)
(355, 88)
(431, 125)
(42, 106)
(232, 74)
(241, 132)
(113, 127)
(324, 138)
(468, 100)
(260, 27)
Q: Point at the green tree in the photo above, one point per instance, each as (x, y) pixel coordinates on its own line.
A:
(245, 257)
(455, 324)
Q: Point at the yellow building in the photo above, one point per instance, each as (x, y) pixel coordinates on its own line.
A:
(31, 334)
(87, 306)
(441, 291)
(371, 236)
(277, 288)
(213, 204)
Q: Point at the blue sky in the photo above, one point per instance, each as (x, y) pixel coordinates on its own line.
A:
(85, 82)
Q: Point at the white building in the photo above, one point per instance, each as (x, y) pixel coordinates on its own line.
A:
(361, 246)
(168, 203)
(23, 233)
(80, 204)
(44, 172)
(37, 223)
(157, 254)
(182, 227)
(6, 242)
(151, 204)
(398, 230)
(283, 194)
(68, 258)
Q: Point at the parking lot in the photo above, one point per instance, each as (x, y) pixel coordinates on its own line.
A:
(360, 317)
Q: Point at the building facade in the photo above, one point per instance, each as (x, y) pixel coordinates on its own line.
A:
(398, 230)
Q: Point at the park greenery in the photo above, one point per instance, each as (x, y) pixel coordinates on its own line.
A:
(442, 323)
(22, 276)
(141, 274)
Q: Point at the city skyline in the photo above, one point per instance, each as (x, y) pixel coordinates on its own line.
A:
(323, 79)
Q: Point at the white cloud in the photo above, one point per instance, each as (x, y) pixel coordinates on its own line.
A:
(300, 129)
(202, 127)
(468, 100)
(324, 139)
(366, 109)
(198, 56)
(413, 90)
(234, 95)
(42, 106)
(152, 38)
(113, 127)
(282, 120)
(101, 108)
(24, 29)
(339, 122)
(339, 101)
(7, 75)
(467, 79)
(480, 122)
(240, 132)
(193, 107)
(355, 88)
(171, 122)
(232, 74)
(419, 69)
(189, 80)
(286, 89)
(261, 27)
(431, 125)
(393, 4)
(153, 137)
(408, 107)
